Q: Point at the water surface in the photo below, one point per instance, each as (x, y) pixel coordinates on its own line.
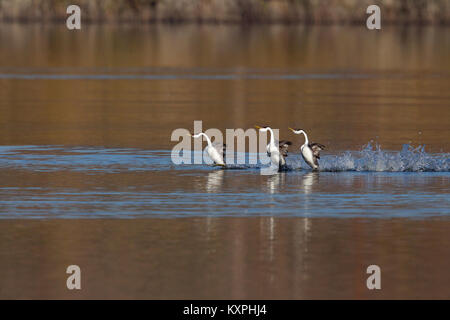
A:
(86, 176)
(62, 182)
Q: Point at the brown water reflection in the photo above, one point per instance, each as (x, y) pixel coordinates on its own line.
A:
(228, 258)
(404, 84)
(345, 85)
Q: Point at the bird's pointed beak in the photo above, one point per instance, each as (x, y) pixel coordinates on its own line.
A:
(257, 127)
(189, 135)
(291, 129)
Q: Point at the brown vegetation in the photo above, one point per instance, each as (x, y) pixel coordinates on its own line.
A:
(228, 11)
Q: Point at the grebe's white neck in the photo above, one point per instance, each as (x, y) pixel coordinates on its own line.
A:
(206, 137)
(304, 133)
(272, 139)
(306, 137)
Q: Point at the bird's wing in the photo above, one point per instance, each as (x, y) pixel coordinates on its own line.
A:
(283, 145)
(316, 147)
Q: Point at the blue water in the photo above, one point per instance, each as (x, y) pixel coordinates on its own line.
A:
(93, 182)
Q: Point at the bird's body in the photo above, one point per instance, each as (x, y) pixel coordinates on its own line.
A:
(308, 156)
(275, 157)
(215, 155)
(277, 151)
(310, 151)
(215, 150)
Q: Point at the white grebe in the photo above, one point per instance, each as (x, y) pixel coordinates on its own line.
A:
(310, 151)
(216, 150)
(277, 153)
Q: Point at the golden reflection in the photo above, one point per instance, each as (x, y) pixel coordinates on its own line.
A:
(170, 258)
(268, 234)
(129, 112)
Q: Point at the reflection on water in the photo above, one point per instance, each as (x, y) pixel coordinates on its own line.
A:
(225, 258)
(131, 86)
(308, 181)
(215, 180)
(275, 182)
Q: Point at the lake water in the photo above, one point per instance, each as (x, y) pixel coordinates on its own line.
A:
(86, 175)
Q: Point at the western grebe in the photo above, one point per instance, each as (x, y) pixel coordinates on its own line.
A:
(276, 153)
(310, 151)
(216, 150)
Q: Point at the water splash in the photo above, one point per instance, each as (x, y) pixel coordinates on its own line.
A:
(99, 159)
(373, 158)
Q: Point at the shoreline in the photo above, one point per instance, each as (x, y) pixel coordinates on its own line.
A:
(244, 12)
(223, 23)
